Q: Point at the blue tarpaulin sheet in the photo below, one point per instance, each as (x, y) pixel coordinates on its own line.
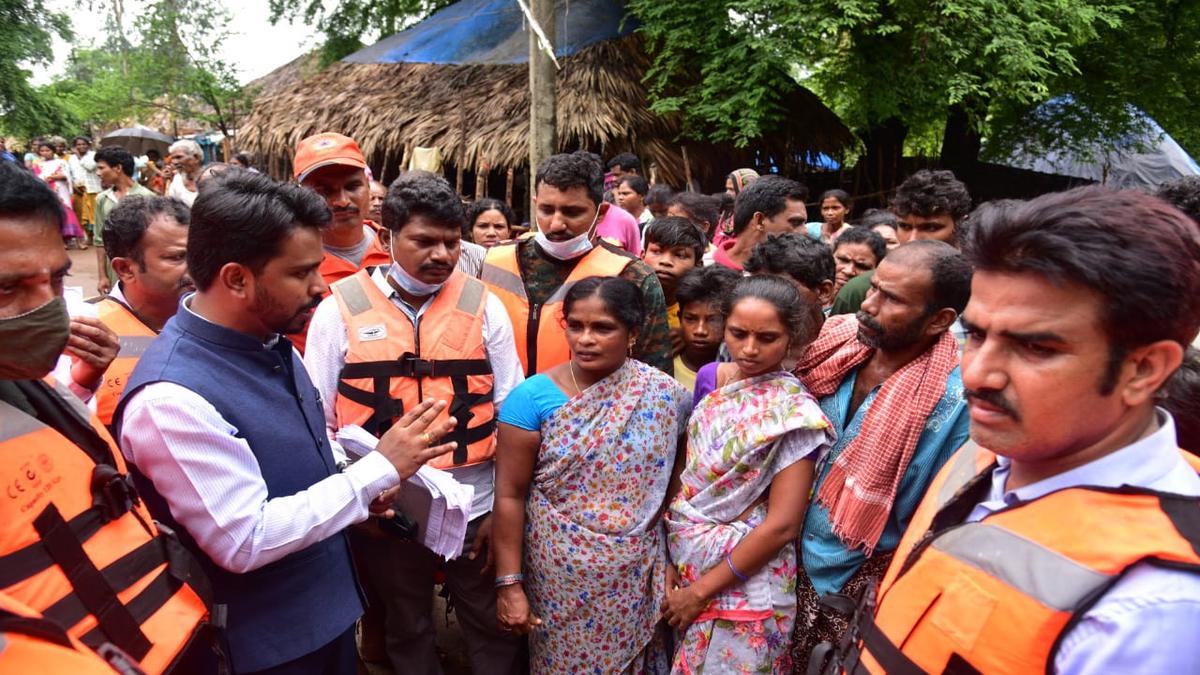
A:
(495, 32)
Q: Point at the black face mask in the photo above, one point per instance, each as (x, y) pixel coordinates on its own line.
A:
(31, 343)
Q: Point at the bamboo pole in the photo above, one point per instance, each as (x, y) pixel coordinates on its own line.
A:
(481, 180)
(542, 91)
(687, 169)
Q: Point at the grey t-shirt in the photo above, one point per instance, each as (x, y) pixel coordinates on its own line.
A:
(354, 254)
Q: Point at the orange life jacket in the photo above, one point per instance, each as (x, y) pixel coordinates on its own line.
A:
(541, 344)
(333, 269)
(390, 367)
(32, 644)
(998, 595)
(77, 545)
(134, 337)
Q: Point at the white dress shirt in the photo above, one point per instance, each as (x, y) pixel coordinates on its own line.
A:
(470, 258)
(1147, 622)
(214, 488)
(325, 355)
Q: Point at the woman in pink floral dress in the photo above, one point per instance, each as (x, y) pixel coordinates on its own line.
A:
(583, 464)
(740, 499)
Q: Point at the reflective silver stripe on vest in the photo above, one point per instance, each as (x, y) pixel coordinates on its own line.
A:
(1047, 576)
(353, 294)
(961, 473)
(14, 423)
(503, 279)
(134, 345)
(471, 297)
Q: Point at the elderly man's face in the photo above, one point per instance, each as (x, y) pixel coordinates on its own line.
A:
(184, 161)
(378, 194)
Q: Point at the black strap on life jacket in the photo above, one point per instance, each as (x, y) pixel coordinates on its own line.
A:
(385, 409)
(42, 629)
(49, 631)
(89, 584)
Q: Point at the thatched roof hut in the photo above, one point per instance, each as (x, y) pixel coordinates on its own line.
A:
(466, 92)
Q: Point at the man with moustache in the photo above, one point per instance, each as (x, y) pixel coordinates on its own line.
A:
(332, 165)
(532, 276)
(422, 327)
(1066, 537)
(928, 205)
(888, 380)
(226, 440)
(146, 242)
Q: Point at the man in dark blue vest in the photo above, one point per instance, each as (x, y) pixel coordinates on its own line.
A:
(225, 434)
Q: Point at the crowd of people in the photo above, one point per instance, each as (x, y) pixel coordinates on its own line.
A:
(703, 433)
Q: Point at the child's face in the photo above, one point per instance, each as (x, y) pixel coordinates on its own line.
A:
(669, 264)
(702, 327)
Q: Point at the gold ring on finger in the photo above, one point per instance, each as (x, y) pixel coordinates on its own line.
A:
(426, 438)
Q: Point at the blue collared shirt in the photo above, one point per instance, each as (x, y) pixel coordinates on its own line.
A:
(1149, 621)
(827, 561)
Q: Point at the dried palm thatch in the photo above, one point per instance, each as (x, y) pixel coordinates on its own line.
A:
(479, 114)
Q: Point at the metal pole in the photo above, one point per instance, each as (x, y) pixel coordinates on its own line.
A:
(542, 94)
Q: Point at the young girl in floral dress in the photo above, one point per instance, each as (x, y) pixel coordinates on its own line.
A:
(739, 501)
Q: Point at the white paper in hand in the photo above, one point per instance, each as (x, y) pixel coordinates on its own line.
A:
(440, 505)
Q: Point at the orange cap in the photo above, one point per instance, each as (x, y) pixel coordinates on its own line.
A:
(324, 149)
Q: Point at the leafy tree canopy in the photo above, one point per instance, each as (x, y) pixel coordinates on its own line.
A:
(915, 64)
(171, 64)
(27, 28)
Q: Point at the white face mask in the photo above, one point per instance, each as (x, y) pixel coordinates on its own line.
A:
(571, 248)
(408, 282)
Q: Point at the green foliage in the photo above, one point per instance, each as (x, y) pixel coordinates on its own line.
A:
(27, 28)
(715, 62)
(1150, 60)
(349, 20)
(710, 70)
(180, 42)
(173, 66)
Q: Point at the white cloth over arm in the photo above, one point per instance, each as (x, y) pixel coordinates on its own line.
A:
(214, 488)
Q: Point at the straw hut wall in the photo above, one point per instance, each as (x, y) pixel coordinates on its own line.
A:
(478, 115)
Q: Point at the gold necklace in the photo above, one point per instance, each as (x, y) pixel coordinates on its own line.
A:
(571, 367)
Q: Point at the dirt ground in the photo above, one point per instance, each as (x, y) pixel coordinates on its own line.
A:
(449, 641)
(83, 271)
